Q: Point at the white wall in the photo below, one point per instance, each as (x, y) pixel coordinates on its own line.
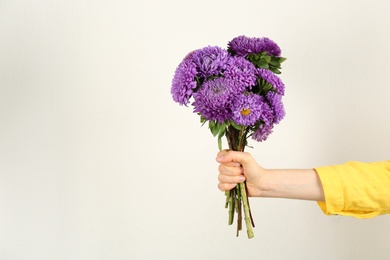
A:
(98, 162)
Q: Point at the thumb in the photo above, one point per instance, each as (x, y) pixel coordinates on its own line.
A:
(226, 156)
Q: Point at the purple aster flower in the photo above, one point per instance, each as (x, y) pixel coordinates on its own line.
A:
(242, 71)
(249, 108)
(214, 99)
(210, 60)
(262, 133)
(272, 79)
(277, 106)
(243, 45)
(183, 83)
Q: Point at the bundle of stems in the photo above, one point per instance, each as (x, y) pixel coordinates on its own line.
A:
(237, 198)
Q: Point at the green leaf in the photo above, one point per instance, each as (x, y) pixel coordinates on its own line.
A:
(275, 70)
(267, 87)
(267, 59)
(217, 128)
(220, 135)
(222, 129)
(281, 59)
(202, 120)
(213, 127)
(235, 125)
(262, 64)
(274, 63)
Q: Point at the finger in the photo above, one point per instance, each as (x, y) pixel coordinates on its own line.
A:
(229, 170)
(221, 154)
(226, 186)
(232, 164)
(231, 178)
(232, 156)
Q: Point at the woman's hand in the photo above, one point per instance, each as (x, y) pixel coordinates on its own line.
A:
(236, 167)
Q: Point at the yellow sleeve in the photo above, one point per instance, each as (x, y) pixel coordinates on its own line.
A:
(357, 189)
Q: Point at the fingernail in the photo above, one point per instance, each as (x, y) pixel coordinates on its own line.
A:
(242, 178)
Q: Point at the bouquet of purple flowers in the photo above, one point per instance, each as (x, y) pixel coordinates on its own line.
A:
(237, 91)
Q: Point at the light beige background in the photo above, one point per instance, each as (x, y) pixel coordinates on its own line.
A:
(98, 162)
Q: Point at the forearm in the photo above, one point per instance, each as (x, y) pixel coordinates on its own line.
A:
(292, 184)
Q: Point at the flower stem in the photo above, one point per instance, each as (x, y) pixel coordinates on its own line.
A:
(247, 213)
(232, 205)
(237, 199)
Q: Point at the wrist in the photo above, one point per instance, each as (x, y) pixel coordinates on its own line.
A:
(261, 186)
(267, 184)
